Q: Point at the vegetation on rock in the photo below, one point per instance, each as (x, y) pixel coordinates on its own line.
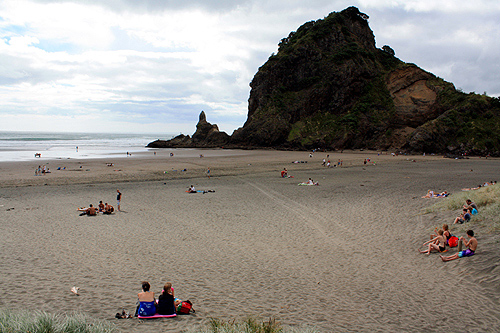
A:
(330, 87)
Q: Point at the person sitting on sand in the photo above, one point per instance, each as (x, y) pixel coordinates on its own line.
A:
(191, 189)
(438, 243)
(471, 247)
(472, 211)
(464, 217)
(166, 304)
(101, 206)
(146, 300)
(469, 203)
(108, 209)
(446, 232)
(284, 173)
(429, 194)
(91, 211)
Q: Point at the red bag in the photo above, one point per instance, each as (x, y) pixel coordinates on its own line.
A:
(453, 241)
(185, 307)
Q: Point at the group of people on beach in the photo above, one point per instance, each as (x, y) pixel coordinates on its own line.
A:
(443, 238)
(103, 208)
(493, 182)
(148, 305)
(41, 171)
(469, 210)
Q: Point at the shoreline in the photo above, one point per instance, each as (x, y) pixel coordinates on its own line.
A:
(146, 166)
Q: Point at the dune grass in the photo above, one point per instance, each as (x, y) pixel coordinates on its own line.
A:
(43, 322)
(487, 200)
(250, 325)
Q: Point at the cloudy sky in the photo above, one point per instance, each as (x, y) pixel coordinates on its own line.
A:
(151, 66)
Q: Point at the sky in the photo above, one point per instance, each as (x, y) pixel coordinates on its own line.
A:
(151, 66)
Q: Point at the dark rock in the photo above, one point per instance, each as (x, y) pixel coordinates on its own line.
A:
(206, 136)
(329, 87)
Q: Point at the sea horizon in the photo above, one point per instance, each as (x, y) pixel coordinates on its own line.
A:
(23, 145)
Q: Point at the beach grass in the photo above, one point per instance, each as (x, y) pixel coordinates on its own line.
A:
(43, 322)
(251, 325)
(487, 200)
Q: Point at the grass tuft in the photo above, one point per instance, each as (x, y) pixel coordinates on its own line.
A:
(43, 322)
(250, 325)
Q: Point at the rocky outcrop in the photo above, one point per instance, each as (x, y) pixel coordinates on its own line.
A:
(206, 136)
(330, 87)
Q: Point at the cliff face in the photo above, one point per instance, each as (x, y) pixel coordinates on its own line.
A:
(330, 87)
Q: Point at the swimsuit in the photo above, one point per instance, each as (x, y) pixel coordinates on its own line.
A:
(466, 253)
(146, 308)
(441, 248)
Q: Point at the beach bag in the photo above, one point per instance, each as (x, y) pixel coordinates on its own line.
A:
(185, 307)
(453, 241)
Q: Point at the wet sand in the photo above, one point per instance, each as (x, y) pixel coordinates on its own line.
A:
(341, 256)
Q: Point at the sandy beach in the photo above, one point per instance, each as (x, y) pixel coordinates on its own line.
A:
(341, 256)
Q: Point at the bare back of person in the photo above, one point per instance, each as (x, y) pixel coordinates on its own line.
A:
(146, 296)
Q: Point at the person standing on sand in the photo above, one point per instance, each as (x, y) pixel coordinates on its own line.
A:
(471, 248)
(118, 199)
(208, 172)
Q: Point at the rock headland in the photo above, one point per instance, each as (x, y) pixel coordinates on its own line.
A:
(330, 87)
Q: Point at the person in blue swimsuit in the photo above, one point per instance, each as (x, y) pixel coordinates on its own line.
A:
(471, 247)
(146, 300)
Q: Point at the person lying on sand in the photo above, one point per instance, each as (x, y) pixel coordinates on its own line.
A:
(309, 182)
(90, 211)
(438, 243)
(431, 194)
(471, 248)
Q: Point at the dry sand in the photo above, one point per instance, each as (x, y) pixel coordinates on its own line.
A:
(341, 256)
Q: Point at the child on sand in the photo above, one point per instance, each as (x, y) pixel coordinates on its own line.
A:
(464, 217)
(446, 232)
(471, 247)
(438, 243)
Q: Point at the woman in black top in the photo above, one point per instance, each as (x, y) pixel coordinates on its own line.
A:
(166, 301)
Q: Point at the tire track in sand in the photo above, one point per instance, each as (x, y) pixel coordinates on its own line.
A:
(313, 219)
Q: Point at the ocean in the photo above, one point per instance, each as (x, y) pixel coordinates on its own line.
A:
(22, 146)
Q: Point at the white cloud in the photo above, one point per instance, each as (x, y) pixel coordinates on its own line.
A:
(153, 64)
